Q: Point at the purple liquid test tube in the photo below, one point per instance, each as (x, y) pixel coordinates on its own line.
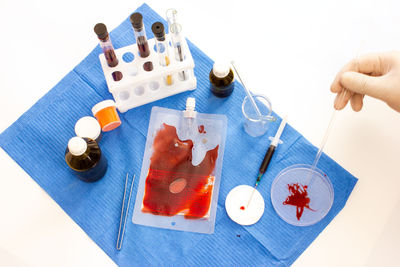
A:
(141, 39)
(101, 30)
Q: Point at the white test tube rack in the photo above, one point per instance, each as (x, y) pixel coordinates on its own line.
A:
(138, 86)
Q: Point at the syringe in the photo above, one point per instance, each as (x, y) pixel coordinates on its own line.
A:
(268, 156)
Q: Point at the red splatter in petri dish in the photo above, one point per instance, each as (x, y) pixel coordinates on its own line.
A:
(201, 129)
(298, 197)
(173, 185)
(242, 207)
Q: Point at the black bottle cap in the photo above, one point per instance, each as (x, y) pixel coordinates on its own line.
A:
(137, 21)
(101, 30)
(158, 31)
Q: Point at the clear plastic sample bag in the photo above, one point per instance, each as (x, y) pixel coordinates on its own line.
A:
(181, 170)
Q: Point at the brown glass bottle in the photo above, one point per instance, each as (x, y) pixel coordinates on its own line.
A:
(221, 80)
(84, 157)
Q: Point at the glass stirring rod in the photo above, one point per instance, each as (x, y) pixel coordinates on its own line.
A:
(268, 156)
(251, 98)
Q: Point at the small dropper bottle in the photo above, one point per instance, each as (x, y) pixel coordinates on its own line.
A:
(101, 30)
(162, 48)
(221, 79)
(84, 157)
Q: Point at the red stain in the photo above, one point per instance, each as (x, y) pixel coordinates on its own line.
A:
(201, 129)
(170, 161)
(242, 207)
(298, 197)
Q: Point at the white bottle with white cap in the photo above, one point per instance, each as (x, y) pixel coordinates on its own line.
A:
(88, 127)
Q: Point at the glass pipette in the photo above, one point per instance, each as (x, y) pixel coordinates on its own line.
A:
(268, 156)
(342, 95)
(321, 147)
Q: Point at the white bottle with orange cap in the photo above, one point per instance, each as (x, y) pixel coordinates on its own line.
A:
(107, 115)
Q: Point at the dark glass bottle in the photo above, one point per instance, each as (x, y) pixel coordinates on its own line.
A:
(84, 157)
(222, 80)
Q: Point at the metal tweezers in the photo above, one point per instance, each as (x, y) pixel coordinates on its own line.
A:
(124, 213)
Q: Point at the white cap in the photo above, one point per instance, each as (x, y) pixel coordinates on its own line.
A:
(102, 105)
(190, 105)
(221, 69)
(77, 146)
(88, 127)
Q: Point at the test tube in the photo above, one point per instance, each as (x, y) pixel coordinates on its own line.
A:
(175, 30)
(172, 15)
(176, 39)
(101, 30)
(162, 48)
(141, 39)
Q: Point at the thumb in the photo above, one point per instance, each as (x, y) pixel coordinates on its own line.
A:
(363, 84)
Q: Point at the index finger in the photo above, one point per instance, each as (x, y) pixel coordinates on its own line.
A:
(374, 64)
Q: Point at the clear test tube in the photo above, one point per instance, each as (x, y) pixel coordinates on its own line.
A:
(175, 30)
(176, 39)
(105, 43)
(141, 39)
(172, 15)
(162, 48)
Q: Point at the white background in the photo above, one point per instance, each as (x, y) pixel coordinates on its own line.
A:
(287, 50)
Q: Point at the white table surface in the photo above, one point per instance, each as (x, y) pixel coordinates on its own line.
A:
(296, 48)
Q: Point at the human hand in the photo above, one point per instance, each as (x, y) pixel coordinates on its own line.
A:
(376, 75)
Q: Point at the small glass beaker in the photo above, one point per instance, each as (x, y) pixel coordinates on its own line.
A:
(256, 125)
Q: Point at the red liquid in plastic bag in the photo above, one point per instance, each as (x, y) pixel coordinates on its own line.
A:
(173, 184)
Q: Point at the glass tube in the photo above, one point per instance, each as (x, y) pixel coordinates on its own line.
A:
(176, 38)
(140, 34)
(141, 39)
(101, 30)
(162, 48)
(175, 30)
(172, 15)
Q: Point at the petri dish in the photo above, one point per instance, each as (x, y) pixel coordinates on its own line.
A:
(302, 196)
